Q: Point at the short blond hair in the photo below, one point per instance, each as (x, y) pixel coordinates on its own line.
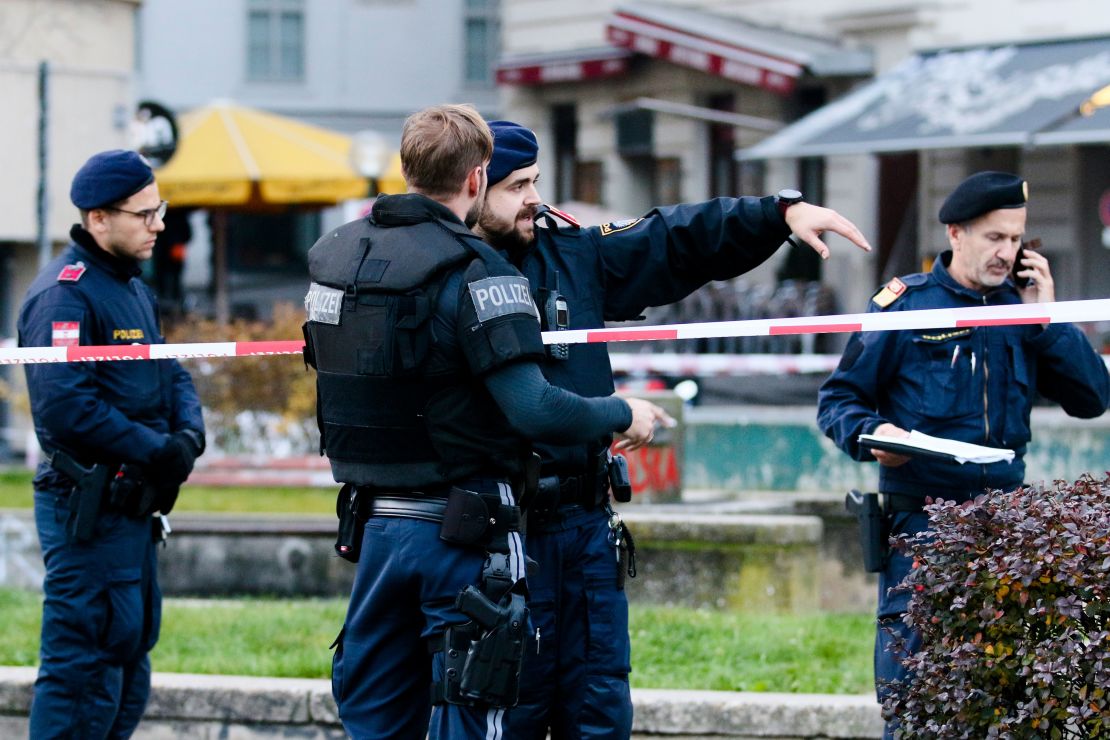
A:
(440, 145)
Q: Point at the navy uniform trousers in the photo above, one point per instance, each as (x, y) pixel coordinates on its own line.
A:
(101, 617)
(402, 600)
(579, 613)
(894, 640)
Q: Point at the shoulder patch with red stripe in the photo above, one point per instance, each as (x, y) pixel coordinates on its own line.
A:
(72, 273)
(565, 216)
(65, 333)
(891, 292)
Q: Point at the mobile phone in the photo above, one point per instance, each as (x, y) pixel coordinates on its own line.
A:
(1022, 282)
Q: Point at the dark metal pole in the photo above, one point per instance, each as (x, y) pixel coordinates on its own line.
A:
(43, 212)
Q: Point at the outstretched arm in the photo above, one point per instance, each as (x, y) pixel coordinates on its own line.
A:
(546, 413)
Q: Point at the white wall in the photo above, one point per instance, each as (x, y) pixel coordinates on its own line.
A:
(88, 44)
(368, 63)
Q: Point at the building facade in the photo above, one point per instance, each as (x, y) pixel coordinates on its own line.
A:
(359, 67)
(66, 69)
(644, 103)
(348, 65)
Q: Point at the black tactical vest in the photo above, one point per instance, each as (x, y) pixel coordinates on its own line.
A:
(392, 414)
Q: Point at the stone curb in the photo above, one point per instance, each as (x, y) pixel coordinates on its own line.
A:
(275, 706)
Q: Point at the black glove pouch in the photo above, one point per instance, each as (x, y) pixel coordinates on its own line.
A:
(466, 520)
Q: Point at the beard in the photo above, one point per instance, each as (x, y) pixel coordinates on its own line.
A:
(506, 235)
(994, 273)
(474, 215)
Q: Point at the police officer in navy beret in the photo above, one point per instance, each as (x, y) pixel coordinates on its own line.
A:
(426, 344)
(575, 679)
(119, 439)
(973, 384)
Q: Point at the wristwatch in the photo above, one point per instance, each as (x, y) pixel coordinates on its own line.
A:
(786, 198)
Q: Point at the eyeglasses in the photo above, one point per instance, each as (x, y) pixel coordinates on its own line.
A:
(147, 214)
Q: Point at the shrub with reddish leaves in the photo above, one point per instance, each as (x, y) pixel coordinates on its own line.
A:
(1012, 598)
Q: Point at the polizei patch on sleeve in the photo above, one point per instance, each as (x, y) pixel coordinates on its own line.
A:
(501, 296)
(323, 303)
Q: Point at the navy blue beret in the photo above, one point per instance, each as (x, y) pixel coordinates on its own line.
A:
(514, 147)
(109, 177)
(982, 193)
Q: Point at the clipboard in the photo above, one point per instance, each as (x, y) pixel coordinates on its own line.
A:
(903, 446)
(939, 448)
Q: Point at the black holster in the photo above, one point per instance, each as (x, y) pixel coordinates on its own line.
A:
(619, 480)
(874, 528)
(483, 657)
(348, 540)
(86, 496)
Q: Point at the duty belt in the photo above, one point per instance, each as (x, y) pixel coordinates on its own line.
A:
(556, 491)
(465, 517)
(408, 507)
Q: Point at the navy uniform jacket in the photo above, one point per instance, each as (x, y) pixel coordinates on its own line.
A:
(974, 385)
(110, 412)
(613, 272)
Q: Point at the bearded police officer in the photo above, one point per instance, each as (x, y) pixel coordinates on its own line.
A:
(575, 680)
(973, 385)
(119, 439)
(425, 342)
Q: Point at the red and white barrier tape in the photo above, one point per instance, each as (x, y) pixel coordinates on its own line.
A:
(936, 318)
(678, 365)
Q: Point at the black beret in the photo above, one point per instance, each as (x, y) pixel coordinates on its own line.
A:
(514, 147)
(982, 193)
(109, 177)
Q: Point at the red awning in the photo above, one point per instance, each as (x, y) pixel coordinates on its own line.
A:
(688, 46)
(569, 66)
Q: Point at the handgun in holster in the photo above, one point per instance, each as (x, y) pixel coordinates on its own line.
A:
(491, 669)
(89, 485)
(873, 528)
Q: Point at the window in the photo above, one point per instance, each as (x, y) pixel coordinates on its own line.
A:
(482, 42)
(275, 41)
(588, 182)
(564, 127)
(722, 148)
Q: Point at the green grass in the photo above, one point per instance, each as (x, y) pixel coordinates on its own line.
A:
(15, 488)
(15, 493)
(257, 500)
(701, 649)
(672, 647)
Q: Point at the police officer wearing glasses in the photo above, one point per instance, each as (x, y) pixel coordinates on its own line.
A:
(973, 385)
(119, 439)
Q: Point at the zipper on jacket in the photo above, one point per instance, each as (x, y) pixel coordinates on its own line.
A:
(986, 402)
(986, 383)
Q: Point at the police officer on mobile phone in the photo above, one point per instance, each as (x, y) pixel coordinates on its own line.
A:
(971, 384)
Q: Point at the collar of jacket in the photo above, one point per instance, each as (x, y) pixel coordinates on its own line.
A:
(942, 276)
(119, 267)
(409, 208)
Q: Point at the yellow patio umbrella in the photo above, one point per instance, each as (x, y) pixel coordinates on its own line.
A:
(234, 158)
(232, 155)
